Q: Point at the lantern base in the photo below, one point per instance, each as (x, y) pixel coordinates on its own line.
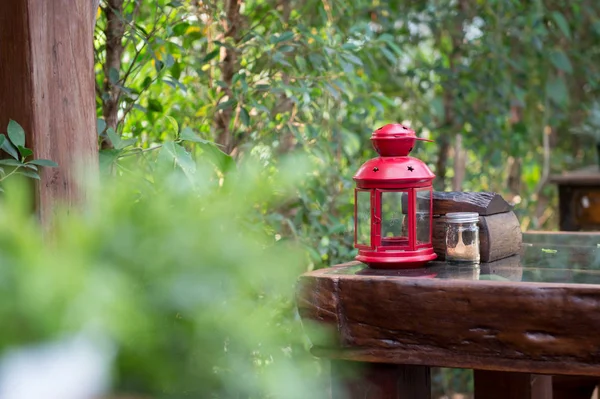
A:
(396, 259)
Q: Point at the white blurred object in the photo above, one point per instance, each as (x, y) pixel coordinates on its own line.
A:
(75, 368)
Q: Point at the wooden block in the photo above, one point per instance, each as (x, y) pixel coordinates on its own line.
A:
(484, 203)
(499, 236)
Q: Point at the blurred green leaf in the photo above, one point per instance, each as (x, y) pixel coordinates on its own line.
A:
(557, 91)
(561, 61)
(28, 173)
(244, 116)
(285, 36)
(562, 23)
(113, 75)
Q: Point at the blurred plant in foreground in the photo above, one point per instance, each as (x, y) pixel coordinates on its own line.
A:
(177, 272)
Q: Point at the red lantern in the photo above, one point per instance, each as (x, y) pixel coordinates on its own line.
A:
(393, 203)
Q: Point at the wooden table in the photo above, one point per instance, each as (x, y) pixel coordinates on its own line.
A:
(516, 322)
(579, 199)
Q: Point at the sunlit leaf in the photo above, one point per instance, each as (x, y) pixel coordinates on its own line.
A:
(178, 157)
(188, 134)
(172, 123)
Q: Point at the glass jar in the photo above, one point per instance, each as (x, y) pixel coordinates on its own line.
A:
(462, 237)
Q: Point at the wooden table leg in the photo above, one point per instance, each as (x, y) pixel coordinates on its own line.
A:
(503, 385)
(573, 387)
(353, 380)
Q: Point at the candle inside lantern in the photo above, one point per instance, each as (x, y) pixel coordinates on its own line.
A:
(462, 237)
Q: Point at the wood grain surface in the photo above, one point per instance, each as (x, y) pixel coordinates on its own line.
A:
(47, 85)
(517, 327)
(484, 203)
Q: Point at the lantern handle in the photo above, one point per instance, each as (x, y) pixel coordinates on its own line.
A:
(416, 138)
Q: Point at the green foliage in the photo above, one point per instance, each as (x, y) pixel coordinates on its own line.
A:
(196, 82)
(318, 77)
(591, 126)
(19, 164)
(183, 279)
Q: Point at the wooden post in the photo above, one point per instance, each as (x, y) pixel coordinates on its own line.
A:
(47, 85)
(500, 385)
(354, 380)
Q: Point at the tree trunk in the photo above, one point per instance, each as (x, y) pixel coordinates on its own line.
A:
(459, 164)
(450, 124)
(440, 165)
(115, 29)
(229, 66)
(95, 5)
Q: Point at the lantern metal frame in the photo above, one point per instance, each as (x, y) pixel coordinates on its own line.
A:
(394, 171)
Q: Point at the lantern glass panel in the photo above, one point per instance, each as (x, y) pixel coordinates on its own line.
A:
(363, 217)
(394, 219)
(423, 216)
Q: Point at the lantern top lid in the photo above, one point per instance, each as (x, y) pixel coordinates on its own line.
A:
(394, 140)
(393, 172)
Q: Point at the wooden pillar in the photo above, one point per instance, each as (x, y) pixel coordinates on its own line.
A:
(47, 85)
(354, 380)
(501, 385)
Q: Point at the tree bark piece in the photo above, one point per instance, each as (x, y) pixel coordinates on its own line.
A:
(352, 380)
(500, 385)
(484, 203)
(499, 236)
(47, 85)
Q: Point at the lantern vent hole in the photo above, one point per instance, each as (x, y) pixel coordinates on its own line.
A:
(410, 168)
(375, 169)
